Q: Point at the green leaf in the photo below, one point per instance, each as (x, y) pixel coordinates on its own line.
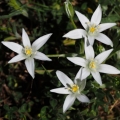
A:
(84, 6)
(23, 108)
(53, 102)
(10, 38)
(110, 18)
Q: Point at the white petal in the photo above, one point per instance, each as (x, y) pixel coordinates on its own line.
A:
(91, 40)
(89, 52)
(29, 62)
(78, 81)
(13, 46)
(85, 73)
(41, 56)
(102, 56)
(105, 26)
(40, 41)
(64, 79)
(83, 19)
(97, 15)
(86, 42)
(17, 58)
(68, 102)
(25, 39)
(83, 98)
(62, 90)
(104, 68)
(77, 61)
(78, 75)
(75, 34)
(104, 39)
(82, 84)
(97, 77)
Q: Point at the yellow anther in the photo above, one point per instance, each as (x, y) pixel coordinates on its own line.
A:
(75, 88)
(92, 65)
(28, 51)
(92, 29)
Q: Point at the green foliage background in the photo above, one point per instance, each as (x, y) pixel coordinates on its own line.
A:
(21, 97)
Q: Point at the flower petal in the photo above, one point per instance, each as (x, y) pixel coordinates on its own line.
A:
(40, 41)
(97, 77)
(13, 46)
(86, 43)
(85, 73)
(77, 61)
(89, 52)
(104, 39)
(83, 19)
(78, 81)
(82, 84)
(61, 90)
(97, 15)
(29, 62)
(41, 56)
(78, 75)
(18, 58)
(83, 98)
(105, 26)
(64, 79)
(91, 40)
(68, 102)
(75, 34)
(102, 56)
(104, 68)
(25, 39)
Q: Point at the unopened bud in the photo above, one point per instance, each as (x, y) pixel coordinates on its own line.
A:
(118, 54)
(101, 48)
(69, 9)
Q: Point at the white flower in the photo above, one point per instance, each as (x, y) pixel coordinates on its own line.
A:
(92, 28)
(74, 89)
(29, 51)
(93, 65)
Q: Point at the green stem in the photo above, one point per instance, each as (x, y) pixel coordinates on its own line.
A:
(73, 23)
(57, 55)
(46, 71)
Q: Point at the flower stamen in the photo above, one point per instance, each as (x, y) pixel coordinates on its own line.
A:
(92, 29)
(28, 51)
(73, 88)
(92, 65)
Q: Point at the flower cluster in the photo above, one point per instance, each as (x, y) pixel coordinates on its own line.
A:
(90, 64)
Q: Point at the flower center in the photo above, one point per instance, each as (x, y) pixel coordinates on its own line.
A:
(74, 88)
(92, 29)
(92, 65)
(28, 51)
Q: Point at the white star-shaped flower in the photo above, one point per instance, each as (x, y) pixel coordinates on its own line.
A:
(92, 28)
(29, 51)
(94, 64)
(74, 89)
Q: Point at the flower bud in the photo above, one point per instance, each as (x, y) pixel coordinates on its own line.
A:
(118, 54)
(69, 9)
(101, 48)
